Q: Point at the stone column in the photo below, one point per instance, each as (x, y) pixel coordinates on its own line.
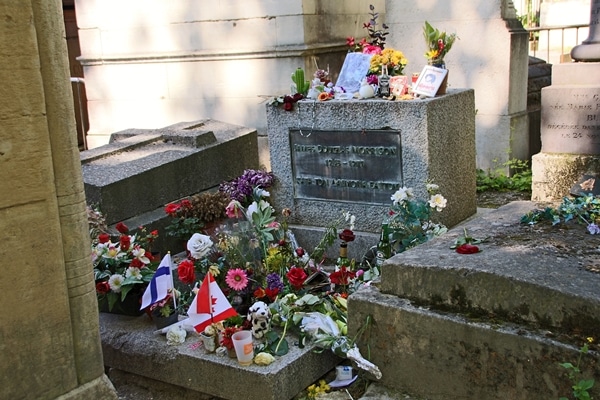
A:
(589, 49)
(49, 334)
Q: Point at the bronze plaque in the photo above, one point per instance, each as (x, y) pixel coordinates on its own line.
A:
(355, 166)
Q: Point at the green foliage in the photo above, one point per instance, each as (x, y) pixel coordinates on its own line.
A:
(409, 218)
(184, 228)
(496, 180)
(584, 209)
(580, 386)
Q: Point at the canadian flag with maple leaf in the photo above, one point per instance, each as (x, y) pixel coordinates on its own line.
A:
(209, 306)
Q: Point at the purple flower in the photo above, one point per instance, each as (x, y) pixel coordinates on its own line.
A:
(593, 229)
(241, 188)
(372, 80)
(274, 281)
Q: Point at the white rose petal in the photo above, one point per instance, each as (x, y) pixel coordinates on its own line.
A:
(438, 202)
(199, 245)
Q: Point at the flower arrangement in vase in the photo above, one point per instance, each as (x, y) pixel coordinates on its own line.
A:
(385, 62)
(438, 43)
(122, 269)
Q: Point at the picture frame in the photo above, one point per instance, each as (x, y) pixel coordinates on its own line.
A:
(354, 70)
(430, 80)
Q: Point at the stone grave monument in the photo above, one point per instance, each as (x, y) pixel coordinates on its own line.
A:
(352, 155)
(570, 127)
(133, 177)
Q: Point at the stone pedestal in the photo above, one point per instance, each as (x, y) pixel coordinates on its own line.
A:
(570, 130)
(335, 156)
(589, 49)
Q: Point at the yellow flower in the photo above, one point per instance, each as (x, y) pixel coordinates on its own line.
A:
(214, 269)
(394, 59)
(590, 339)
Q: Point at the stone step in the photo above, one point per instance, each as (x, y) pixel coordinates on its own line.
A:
(514, 277)
(131, 350)
(491, 325)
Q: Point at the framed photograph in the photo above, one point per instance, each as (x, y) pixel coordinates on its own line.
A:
(430, 81)
(354, 70)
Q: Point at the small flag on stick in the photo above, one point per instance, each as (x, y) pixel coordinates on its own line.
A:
(160, 284)
(209, 306)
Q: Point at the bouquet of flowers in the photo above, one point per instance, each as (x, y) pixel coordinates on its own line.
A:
(121, 266)
(438, 44)
(409, 218)
(393, 59)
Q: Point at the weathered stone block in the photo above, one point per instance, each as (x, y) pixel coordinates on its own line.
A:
(435, 142)
(130, 345)
(140, 171)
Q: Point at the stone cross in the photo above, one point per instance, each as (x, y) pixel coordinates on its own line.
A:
(589, 49)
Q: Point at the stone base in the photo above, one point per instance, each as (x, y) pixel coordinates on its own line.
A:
(131, 348)
(100, 388)
(553, 175)
(437, 143)
(493, 325)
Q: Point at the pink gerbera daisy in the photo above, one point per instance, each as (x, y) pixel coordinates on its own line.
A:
(236, 279)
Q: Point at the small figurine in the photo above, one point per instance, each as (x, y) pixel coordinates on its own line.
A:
(366, 91)
(260, 315)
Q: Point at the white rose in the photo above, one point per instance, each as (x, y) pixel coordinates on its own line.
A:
(199, 245)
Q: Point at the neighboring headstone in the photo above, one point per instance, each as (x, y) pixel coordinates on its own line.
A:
(336, 156)
(570, 121)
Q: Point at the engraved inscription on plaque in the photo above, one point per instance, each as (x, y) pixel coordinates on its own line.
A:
(571, 121)
(355, 166)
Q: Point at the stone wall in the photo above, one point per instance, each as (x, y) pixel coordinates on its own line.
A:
(157, 64)
(490, 57)
(49, 320)
(153, 64)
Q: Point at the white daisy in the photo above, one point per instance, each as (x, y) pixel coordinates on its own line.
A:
(115, 282)
(133, 272)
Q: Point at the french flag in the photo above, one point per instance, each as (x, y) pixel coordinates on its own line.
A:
(160, 284)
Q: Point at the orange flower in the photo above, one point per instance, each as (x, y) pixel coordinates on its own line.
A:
(323, 96)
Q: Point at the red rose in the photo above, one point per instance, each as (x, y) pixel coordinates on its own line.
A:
(172, 209)
(185, 271)
(186, 204)
(342, 276)
(104, 238)
(288, 106)
(122, 228)
(300, 252)
(347, 235)
(272, 293)
(259, 293)
(125, 242)
(296, 276)
(136, 263)
(102, 287)
(467, 249)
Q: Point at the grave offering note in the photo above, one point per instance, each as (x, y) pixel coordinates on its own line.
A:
(355, 166)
